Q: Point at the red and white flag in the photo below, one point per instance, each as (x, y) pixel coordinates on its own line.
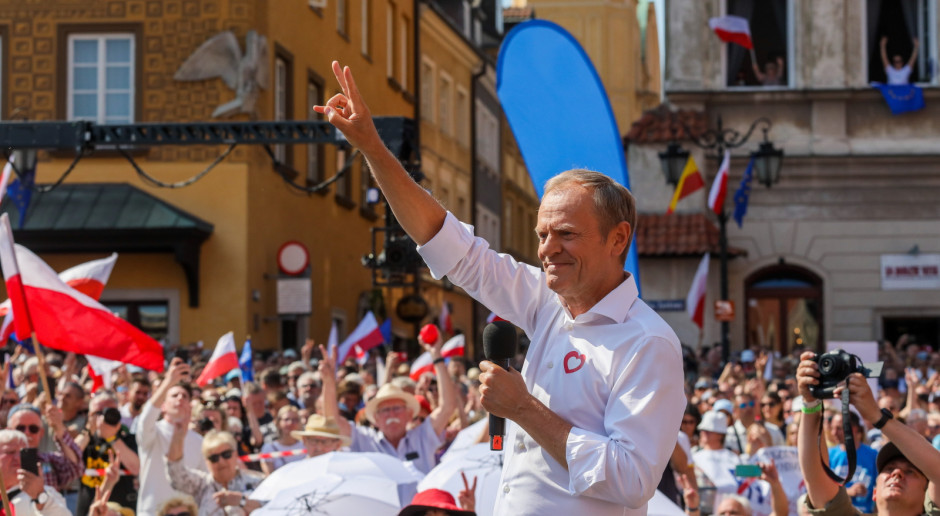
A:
(695, 301)
(5, 177)
(454, 347)
(445, 320)
(716, 196)
(362, 356)
(64, 318)
(333, 340)
(367, 335)
(223, 360)
(423, 364)
(732, 29)
(493, 318)
(100, 370)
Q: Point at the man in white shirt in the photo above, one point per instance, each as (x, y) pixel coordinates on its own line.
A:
(27, 493)
(600, 397)
(153, 438)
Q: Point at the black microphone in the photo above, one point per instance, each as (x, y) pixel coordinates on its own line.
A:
(499, 347)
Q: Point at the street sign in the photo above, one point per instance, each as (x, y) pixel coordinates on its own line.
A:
(293, 258)
(724, 310)
(294, 296)
(667, 305)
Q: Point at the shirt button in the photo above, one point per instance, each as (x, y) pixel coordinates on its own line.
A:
(569, 326)
(551, 365)
(520, 446)
(506, 488)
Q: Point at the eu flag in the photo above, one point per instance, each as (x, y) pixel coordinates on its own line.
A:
(742, 195)
(20, 192)
(246, 364)
(902, 98)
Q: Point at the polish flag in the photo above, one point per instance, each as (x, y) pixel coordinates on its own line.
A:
(732, 29)
(421, 365)
(493, 318)
(447, 324)
(64, 318)
(100, 370)
(367, 335)
(5, 177)
(362, 356)
(333, 340)
(223, 360)
(716, 196)
(695, 301)
(454, 347)
(89, 278)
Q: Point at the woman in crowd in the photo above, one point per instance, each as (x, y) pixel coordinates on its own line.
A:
(771, 409)
(288, 421)
(179, 506)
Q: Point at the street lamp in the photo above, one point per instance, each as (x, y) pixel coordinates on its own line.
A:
(767, 164)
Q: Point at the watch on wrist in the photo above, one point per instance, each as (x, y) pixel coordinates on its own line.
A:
(243, 501)
(41, 499)
(885, 416)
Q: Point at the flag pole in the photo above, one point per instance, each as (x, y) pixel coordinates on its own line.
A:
(42, 359)
(5, 497)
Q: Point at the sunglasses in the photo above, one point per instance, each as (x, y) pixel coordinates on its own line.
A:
(749, 404)
(227, 454)
(33, 429)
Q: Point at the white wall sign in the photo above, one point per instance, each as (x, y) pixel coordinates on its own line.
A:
(294, 296)
(910, 271)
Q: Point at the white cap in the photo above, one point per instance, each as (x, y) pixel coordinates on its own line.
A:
(713, 421)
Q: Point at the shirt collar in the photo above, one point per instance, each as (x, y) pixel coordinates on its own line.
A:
(616, 304)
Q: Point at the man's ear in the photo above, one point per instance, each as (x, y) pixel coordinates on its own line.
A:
(620, 237)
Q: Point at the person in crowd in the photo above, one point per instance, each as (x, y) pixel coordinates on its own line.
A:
(27, 492)
(138, 394)
(917, 420)
(172, 401)
(771, 410)
(773, 73)
(437, 502)
(209, 415)
(745, 414)
(580, 442)
(734, 505)
(294, 370)
(758, 438)
(309, 388)
(179, 506)
(254, 401)
(350, 399)
(288, 421)
(897, 71)
(60, 467)
(908, 467)
(71, 398)
(861, 486)
(690, 421)
(390, 412)
(321, 435)
(276, 400)
(103, 441)
(225, 486)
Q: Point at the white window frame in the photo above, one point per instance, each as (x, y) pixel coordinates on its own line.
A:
(341, 15)
(169, 295)
(462, 116)
(789, 64)
(280, 101)
(313, 150)
(366, 33)
(403, 52)
(467, 15)
(102, 65)
(390, 40)
(445, 110)
(930, 53)
(428, 90)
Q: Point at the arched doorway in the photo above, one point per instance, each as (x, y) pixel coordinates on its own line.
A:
(784, 308)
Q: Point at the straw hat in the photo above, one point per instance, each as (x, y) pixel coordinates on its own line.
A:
(390, 391)
(319, 426)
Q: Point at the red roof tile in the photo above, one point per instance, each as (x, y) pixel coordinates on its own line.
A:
(516, 14)
(656, 125)
(678, 234)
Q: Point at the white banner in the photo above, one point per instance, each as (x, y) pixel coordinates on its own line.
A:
(910, 271)
(788, 469)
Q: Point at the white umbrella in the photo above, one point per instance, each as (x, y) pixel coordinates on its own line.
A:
(476, 461)
(661, 505)
(345, 464)
(466, 438)
(333, 495)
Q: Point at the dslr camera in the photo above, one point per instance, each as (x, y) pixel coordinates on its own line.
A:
(836, 366)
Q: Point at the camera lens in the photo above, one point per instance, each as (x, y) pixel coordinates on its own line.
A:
(827, 365)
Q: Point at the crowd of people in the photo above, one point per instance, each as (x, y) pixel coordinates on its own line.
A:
(153, 443)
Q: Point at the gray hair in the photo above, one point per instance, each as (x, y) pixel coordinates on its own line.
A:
(612, 201)
(309, 375)
(8, 436)
(745, 504)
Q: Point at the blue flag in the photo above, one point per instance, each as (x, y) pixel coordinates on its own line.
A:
(386, 329)
(246, 364)
(10, 383)
(902, 98)
(743, 193)
(20, 192)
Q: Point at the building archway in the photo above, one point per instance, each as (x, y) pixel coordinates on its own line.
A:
(784, 308)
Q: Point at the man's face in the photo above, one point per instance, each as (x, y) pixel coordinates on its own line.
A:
(577, 258)
(730, 507)
(96, 410)
(288, 422)
(309, 390)
(317, 445)
(744, 407)
(899, 480)
(256, 401)
(233, 409)
(30, 424)
(176, 402)
(392, 417)
(69, 398)
(139, 395)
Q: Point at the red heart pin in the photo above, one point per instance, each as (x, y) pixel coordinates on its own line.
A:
(576, 356)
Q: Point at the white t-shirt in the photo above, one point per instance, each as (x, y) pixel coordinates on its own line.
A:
(895, 76)
(153, 441)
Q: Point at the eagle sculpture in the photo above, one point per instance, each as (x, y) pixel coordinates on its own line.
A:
(220, 56)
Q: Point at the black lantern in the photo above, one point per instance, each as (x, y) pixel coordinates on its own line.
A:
(673, 162)
(767, 162)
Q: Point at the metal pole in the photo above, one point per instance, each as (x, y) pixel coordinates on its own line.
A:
(723, 257)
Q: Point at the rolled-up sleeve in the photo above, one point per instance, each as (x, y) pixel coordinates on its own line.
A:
(183, 479)
(448, 246)
(641, 423)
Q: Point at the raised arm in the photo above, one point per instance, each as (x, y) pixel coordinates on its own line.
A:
(913, 59)
(327, 370)
(884, 52)
(446, 392)
(418, 212)
(820, 489)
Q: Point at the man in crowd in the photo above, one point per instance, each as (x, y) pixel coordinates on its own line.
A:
(138, 394)
(172, 400)
(71, 398)
(745, 411)
(598, 411)
(908, 466)
(862, 484)
(102, 442)
(61, 467)
(26, 491)
(308, 390)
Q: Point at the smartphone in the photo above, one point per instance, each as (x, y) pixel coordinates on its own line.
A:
(747, 470)
(29, 460)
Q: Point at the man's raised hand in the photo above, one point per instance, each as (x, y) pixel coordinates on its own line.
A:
(349, 113)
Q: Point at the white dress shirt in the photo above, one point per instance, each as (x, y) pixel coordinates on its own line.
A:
(153, 442)
(418, 446)
(614, 373)
(23, 505)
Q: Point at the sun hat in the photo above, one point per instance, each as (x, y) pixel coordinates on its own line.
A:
(432, 499)
(712, 421)
(724, 405)
(320, 426)
(390, 391)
